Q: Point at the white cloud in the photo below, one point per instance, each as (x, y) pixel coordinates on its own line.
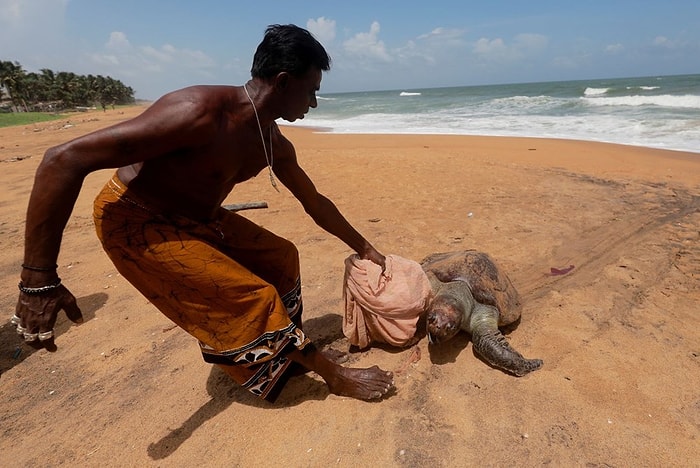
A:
(118, 41)
(666, 43)
(322, 28)
(443, 33)
(413, 54)
(663, 41)
(530, 42)
(367, 45)
(614, 49)
(434, 32)
(490, 48)
(524, 46)
(443, 37)
(159, 55)
(431, 48)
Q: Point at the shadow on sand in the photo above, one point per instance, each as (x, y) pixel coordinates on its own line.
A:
(224, 392)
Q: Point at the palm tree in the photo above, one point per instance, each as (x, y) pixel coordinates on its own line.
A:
(67, 88)
(11, 76)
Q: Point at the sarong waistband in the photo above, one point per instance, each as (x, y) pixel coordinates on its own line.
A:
(116, 185)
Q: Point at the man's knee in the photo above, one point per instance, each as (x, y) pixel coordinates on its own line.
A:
(289, 248)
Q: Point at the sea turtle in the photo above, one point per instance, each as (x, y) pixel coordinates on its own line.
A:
(471, 293)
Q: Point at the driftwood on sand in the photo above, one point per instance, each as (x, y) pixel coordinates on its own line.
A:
(246, 206)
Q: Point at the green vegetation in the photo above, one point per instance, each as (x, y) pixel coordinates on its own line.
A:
(23, 118)
(50, 91)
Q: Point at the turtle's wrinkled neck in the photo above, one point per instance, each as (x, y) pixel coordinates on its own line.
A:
(459, 293)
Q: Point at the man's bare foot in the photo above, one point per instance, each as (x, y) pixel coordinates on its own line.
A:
(364, 384)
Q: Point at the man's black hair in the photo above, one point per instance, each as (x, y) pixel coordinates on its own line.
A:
(288, 48)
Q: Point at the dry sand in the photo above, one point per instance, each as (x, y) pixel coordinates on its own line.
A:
(618, 334)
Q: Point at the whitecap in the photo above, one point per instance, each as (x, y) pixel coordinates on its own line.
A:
(643, 88)
(595, 91)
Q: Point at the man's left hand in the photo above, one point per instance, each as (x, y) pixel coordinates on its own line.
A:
(374, 255)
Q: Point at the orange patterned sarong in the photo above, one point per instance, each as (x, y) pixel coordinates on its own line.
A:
(228, 282)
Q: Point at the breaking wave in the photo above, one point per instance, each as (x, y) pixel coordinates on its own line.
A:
(665, 100)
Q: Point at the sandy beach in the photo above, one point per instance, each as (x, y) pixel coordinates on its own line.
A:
(618, 334)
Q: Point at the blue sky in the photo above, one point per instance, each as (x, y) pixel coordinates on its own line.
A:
(156, 46)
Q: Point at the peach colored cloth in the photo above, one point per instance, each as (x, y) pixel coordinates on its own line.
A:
(383, 308)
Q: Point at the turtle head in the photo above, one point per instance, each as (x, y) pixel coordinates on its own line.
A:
(444, 319)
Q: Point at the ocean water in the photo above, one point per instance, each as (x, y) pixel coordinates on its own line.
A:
(657, 112)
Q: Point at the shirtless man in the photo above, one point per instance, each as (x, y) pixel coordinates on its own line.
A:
(228, 282)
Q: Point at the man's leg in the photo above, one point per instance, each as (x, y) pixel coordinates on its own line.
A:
(267, 255)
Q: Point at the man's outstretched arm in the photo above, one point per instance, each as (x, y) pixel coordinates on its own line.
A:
(321, 209)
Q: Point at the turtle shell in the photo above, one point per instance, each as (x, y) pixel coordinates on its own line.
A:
(488, 283)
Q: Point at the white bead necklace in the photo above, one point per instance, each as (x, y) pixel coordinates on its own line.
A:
(269, 160)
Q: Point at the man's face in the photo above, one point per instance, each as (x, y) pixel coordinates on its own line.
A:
(300, 94)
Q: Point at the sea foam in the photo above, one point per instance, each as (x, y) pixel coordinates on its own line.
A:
(664, 100)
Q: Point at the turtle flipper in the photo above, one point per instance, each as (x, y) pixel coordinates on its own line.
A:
(492, 346)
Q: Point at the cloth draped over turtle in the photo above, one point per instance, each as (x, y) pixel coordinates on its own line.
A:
(383, 307)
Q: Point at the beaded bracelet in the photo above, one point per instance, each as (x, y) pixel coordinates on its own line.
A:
(39, 290)
(36, 268)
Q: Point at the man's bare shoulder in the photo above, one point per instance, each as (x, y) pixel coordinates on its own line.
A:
(196, 108)
(284, 147)
(197, 100)
(201, 92)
